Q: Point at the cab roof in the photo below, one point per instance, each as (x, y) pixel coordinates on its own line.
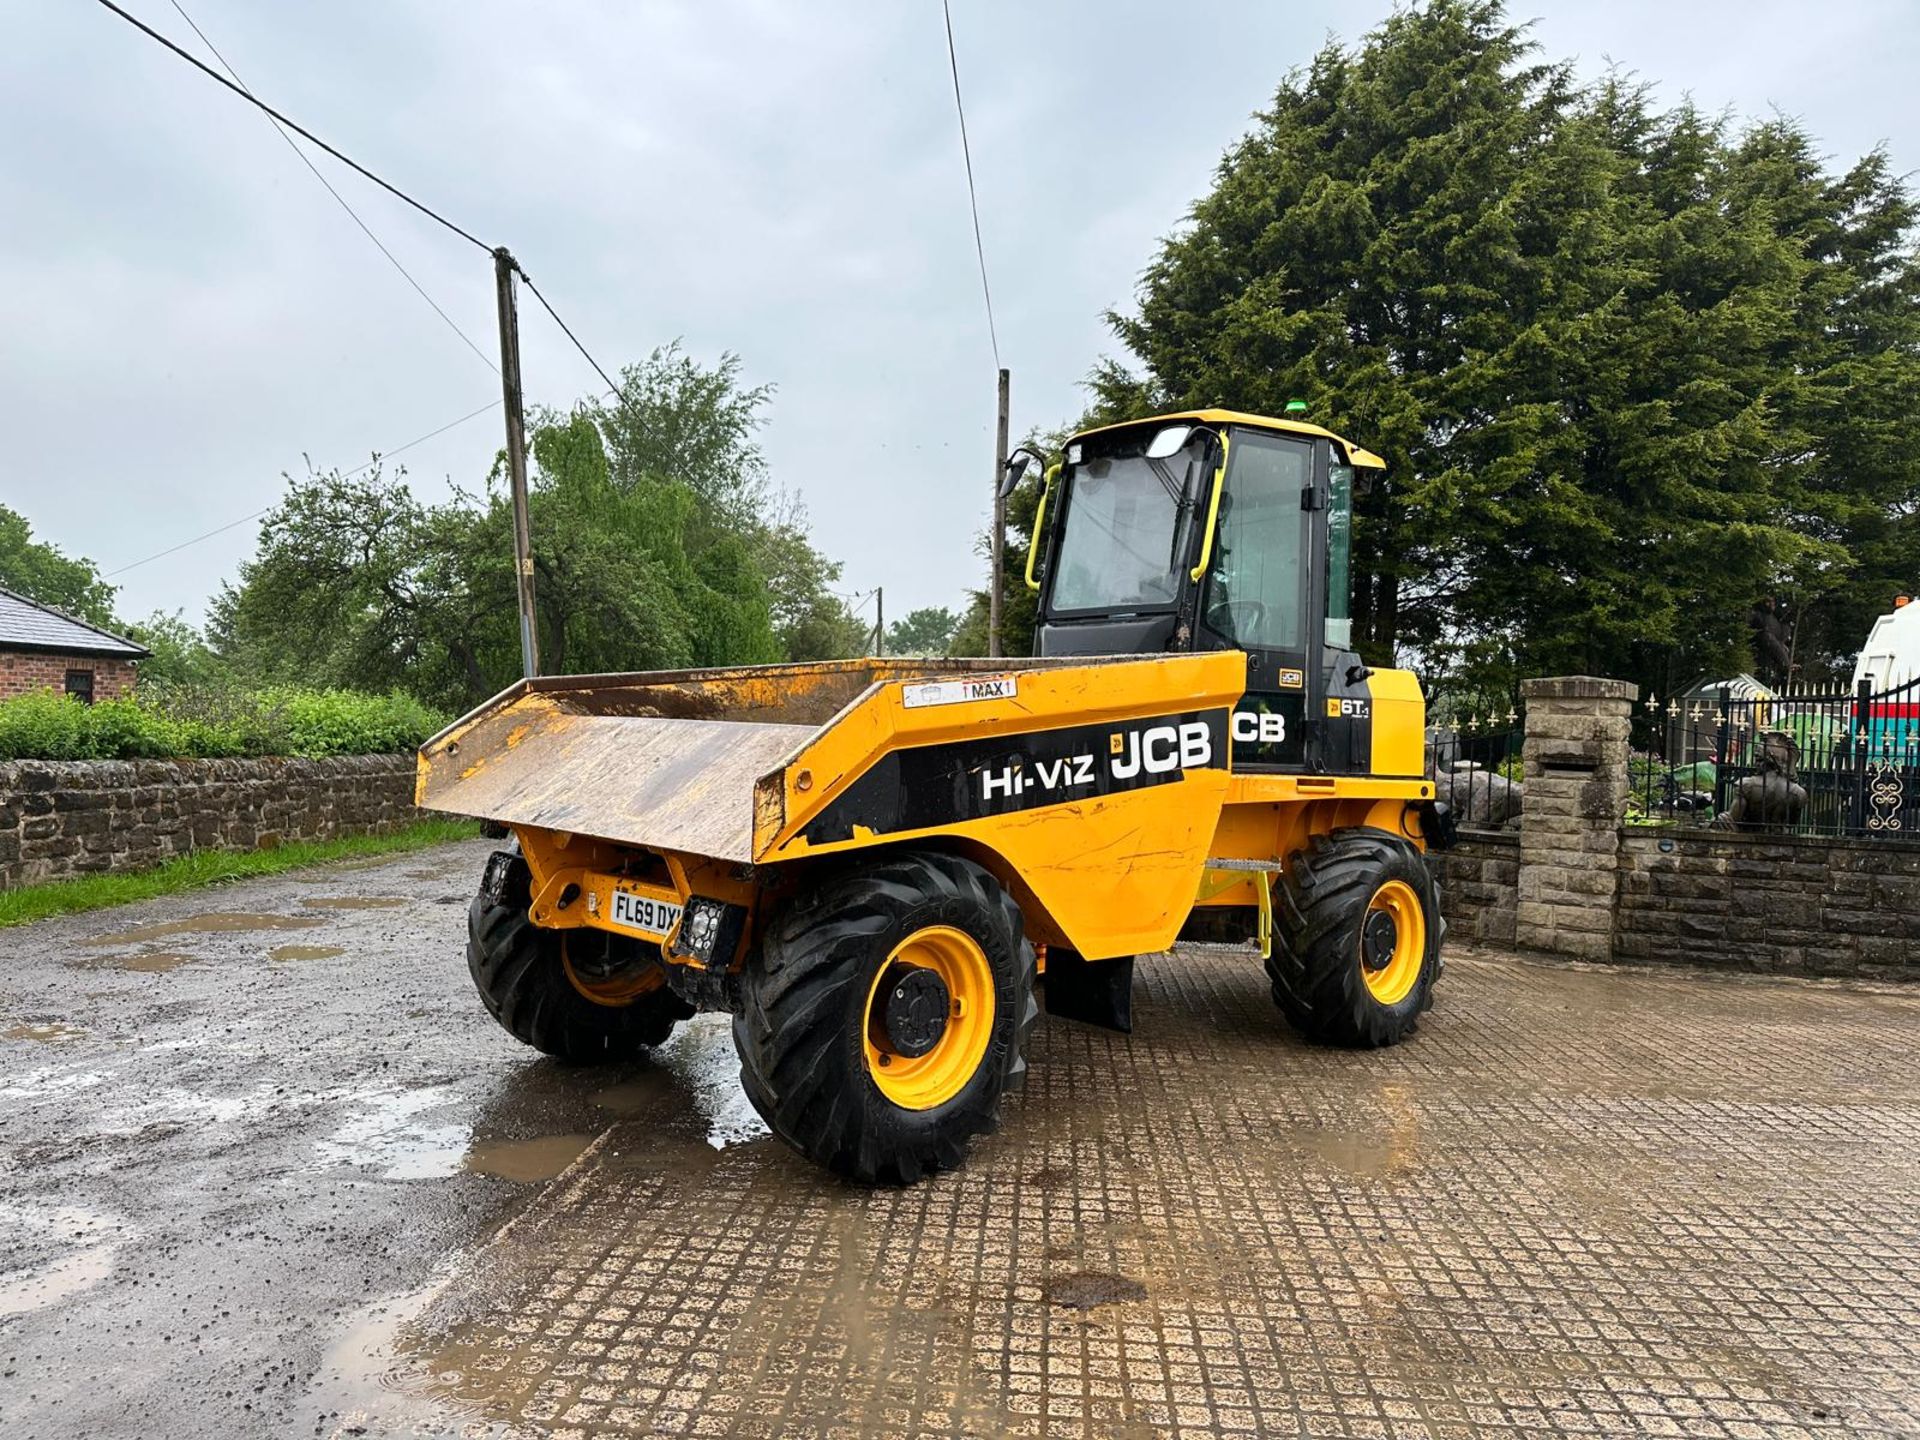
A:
(1364, 459)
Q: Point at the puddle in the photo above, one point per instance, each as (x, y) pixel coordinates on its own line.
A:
(48, 1031)
(392, 1136)
(630, 1097)
(700, 1055)
(369, 1384)
(306, 952)
(67, 1249)
(154, 962)
(1364, 1151)
(1087, 1288)
(147, 962)
(218, 922)
(527, 1160)
(354, 902)
(1358, 1155)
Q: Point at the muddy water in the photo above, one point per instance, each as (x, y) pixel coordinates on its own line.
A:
(153, 962)
(54, 1252)
(144, 962)
(700, 1056)
(212, 923)
(541, 1158)
(42, 1032)
(306, 952)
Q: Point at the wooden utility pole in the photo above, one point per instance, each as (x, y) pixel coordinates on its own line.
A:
(503, 268)
(999, 519)
(879, 620)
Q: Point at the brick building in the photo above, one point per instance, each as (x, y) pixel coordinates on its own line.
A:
(42, 649)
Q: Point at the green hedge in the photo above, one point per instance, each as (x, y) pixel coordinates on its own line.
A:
(186, 722)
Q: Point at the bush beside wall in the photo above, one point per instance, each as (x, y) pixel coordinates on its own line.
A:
(160, 722)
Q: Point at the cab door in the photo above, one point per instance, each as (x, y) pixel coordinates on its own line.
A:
(1263, 589)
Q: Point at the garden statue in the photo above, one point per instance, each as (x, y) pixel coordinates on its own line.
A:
(1477, 795)
(1770, 796)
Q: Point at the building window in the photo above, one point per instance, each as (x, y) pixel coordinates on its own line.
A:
(80, 685)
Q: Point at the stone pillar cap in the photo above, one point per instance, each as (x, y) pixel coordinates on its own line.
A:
(1579, 687)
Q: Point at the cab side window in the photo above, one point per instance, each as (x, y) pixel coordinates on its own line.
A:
(1255, 584)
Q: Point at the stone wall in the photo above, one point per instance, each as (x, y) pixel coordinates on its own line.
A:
(1479, 886)
(24, 671)
(1577, 881)
(72, 817)
(1760, 902)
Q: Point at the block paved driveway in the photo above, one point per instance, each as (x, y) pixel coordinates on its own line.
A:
(1582, 1202)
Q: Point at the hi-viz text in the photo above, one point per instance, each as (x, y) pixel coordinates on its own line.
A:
(1156, 750)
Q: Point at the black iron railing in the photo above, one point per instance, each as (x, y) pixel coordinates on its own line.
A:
(1476, 770)
(1817, 763)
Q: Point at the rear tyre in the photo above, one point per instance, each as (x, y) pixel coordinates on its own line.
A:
(583, 996)
(1357, 939)
(885, 1014)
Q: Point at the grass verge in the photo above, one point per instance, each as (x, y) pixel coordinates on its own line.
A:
(209, 867)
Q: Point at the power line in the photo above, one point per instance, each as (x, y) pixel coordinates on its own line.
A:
(346, 475)
(292, 125)
(392, 189)
(612, 388)
(973, 200)
(227, 65)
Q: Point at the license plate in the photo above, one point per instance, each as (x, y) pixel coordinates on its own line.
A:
(642, 912)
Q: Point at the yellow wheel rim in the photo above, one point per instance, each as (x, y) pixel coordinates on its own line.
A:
(619, 989)
(1391, 972)
(925, 1081)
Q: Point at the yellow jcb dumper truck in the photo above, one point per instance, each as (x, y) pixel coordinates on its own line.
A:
(877, 865)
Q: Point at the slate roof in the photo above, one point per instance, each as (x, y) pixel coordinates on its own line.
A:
(25, 625)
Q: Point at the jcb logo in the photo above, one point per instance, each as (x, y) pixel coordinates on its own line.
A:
(1161, 748)
(1347, 709)
(1259, 727)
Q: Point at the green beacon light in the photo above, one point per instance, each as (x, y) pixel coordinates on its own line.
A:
(1296, 407)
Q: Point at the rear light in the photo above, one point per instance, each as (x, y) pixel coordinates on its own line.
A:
(709, 932)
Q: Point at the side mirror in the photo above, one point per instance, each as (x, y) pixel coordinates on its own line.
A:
(1018, 463)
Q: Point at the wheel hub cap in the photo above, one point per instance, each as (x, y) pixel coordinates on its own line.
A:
(1378, 940)
(916, 1005)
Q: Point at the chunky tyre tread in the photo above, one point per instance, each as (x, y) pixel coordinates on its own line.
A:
(802, 1058)
(516, 967)
(1314, 967)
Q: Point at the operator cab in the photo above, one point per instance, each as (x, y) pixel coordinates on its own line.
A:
(1214, 530)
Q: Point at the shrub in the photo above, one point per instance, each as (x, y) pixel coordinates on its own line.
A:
(346, 722)
(212, 723)
(45, 726)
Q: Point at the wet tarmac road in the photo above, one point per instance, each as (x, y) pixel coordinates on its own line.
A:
(272, 1171)
(232, 1121)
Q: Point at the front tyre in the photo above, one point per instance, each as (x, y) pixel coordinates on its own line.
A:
(583, 996)
(885, 1014)
(1357, 944)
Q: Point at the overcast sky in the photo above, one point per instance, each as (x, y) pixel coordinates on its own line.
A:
(186, 312)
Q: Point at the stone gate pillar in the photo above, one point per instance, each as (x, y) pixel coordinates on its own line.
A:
(1575, 762)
